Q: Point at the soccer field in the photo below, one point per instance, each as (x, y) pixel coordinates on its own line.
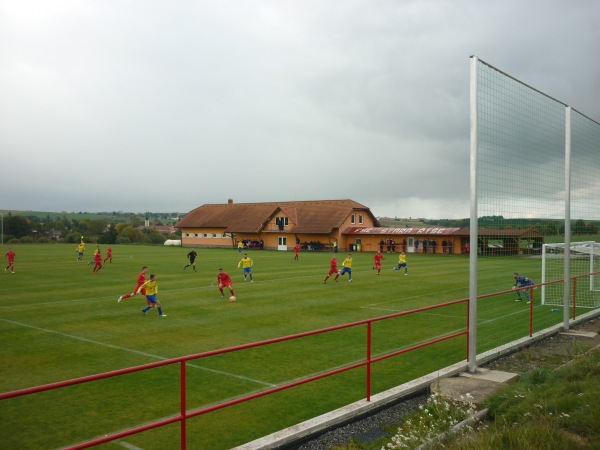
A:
(60, 321)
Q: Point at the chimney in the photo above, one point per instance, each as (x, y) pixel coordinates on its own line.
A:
(230, 201)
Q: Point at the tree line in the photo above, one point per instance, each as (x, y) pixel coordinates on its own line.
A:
(547, 227)
(31, 229)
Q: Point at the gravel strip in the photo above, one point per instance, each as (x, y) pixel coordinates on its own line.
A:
(366, 429)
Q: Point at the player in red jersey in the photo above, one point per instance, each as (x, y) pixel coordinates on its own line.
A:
(94, 257)
(332, 269)
(141, 279)
(10, 256)
(296, 251)
(97, 261)
(108, 255)
(224, 280)
(377, 261)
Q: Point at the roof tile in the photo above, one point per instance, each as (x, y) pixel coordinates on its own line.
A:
(320, 216)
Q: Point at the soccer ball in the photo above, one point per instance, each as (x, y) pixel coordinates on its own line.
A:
(232, 298)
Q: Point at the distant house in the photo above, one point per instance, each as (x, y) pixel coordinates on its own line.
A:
(315, 225)
(162, 229)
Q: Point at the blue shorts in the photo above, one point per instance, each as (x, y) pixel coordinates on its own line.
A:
(346, 270)
(151, 298)
(247, 270)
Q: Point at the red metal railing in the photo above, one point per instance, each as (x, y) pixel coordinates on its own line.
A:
(184, 414)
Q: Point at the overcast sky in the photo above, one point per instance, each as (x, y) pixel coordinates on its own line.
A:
(144, 105)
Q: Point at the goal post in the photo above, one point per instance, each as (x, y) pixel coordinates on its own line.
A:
(584, 259)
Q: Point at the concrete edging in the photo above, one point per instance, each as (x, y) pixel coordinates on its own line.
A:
(339, 416)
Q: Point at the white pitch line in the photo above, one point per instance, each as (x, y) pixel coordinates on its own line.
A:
(88, 299)
(372, 305)
(495, 319)
(129, 446)
(149, 355)
(421, 313)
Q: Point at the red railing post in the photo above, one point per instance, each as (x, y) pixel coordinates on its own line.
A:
(531, 294)
(369, 325)
(468, 328)
(574, 297)
(530, 311)
(183, 405)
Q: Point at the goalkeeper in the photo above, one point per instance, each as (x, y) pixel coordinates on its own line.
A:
(521, 284)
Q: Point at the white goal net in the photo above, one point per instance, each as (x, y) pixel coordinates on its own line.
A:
(584, 259)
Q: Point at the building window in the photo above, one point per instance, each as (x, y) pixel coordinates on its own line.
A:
(224, 235)
(352, 219)
(360, 219)
(281, 222)
(195, 235)
(205, 235)
(214, 235)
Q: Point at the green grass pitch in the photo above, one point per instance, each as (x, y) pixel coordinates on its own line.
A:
(60, 321)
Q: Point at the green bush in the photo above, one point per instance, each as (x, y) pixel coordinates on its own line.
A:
(73, 238)
(123, 240)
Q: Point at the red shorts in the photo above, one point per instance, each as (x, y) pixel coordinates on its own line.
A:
(332, 271)
(378, 266)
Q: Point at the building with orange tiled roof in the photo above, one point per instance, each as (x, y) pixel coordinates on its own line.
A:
(277, 225)
(317, 225)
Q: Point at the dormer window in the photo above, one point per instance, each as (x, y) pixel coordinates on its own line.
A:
(281, 222)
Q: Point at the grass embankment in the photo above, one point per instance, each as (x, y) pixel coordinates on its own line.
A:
(547, 409)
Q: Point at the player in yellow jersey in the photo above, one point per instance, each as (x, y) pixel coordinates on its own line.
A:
(80, 249)
(151, 287)
(402, 263)
(347, 267)
(246, 264)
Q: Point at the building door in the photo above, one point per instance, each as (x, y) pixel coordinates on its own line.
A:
(411, 245)
(282, 243)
